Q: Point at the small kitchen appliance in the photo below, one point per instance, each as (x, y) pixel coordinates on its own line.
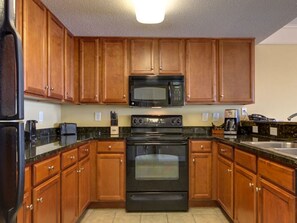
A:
(231, 121)
(30, 130)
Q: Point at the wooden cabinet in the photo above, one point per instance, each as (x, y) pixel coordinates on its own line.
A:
(225, 185)
(201, 70)
(55, 34)
(245, 185)
(35, 47)
(111, 171)
(114, 71)
(236, 71)
(89, 70)
(200, 170)
(46, 201)
(84, 184)
(69, 67)
(153, 56)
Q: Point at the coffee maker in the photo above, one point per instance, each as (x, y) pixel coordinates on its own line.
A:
(231, 121)
(30, 130)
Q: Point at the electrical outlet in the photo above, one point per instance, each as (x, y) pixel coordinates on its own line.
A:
(273, 131)
(215, 116)
(40, 116)
(244, 111)
(255, 129)
(204, 116)
(97, 116)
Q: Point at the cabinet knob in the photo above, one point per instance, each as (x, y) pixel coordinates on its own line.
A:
(124, 96)
(30, 207)
(109, 147)
(96, 96)
(161, 68)
(229, 170)
(202, 147)
(121, 161)
(221, 95)
(72, 157)
(82, 168)
(51, 167)
(152, 67)
(222, 150)
(251, 184)
(40, 200)
(51, 88)
(258, 189)
(193, 160)
(46, 87)
(78, 171)
(86, 150)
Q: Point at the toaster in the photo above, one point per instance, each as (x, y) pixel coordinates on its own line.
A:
(68, 129)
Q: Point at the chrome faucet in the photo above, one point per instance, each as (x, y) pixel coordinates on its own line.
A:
(292, 116)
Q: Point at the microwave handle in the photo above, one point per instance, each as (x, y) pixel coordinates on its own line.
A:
(169, 94)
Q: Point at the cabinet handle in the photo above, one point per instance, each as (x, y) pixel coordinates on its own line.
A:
(251, 184)
(40, 200)
(51, 88)
(51, 167)
(30, 207)
(229, 170)
(258, 189)
(223, 150)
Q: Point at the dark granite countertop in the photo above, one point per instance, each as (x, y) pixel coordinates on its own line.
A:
(48, 146)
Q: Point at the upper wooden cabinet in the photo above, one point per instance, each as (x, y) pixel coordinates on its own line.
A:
(55, 58)
(153, 56)
(35, 47)
(114, 71)
(236, 70)
(201, 70)
(69, 67)
(89, 70)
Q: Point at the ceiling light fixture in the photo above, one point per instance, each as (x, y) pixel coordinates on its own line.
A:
(150, 11)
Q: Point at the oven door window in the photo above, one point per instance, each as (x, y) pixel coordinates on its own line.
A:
(156, 167)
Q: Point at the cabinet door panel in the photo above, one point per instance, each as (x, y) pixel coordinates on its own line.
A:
(35, 47)
(201, 71)
(244, 196)
(84, 186)
(110, 180)
(55, 58)
(25, 211)
(171, 56)
(236, 71)
(69, 67)
(114, 71)
(89, 70)
(46, 201)
(275, 205)
(201, 174)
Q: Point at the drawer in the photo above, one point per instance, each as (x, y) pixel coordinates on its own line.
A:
(83, 151)
(246, 160)
(226, 151)
(277, 174)
(200, 146)
(69, 158)
(27, 186)
(46, 169)
(111, 146)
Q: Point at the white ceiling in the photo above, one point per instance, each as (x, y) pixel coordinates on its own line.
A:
(184, 18)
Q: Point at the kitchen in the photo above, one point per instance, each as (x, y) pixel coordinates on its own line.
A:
(50, 114)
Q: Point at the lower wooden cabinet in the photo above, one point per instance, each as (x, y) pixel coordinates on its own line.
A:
(110, 177)
(84, 184)
(25, 211)
(46, 201)
(275, 204)
(225, 185)
(245, 208)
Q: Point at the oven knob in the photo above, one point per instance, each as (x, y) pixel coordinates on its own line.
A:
(140, 121)
(178, 121)
(135, 121)
(173, 121)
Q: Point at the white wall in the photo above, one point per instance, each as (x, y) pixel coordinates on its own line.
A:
(275, 96)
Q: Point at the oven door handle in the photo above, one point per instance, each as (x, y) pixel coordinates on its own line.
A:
(156, 143)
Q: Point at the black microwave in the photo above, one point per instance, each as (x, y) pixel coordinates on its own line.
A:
(156, 91)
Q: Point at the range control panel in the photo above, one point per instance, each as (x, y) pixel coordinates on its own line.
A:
(156, 121)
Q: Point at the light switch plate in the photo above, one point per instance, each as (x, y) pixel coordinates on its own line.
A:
(97, 116)
(40, 116)
(215, 116)
(273, 131)
(204, 116)
(255, 129)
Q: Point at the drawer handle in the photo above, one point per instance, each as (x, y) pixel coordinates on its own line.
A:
(51, 167)
(72, 157)
(229, 170)
(30, 207)
(40, 200)
(223, 150)
(251, 184)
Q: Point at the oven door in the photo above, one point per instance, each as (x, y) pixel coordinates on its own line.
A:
(157, 166)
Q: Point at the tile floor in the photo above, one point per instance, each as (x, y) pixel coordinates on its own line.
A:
(195, 215)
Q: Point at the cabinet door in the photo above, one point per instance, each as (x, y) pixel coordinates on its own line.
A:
(55, 58)
(244, 196)
(275, 205)
(69, 195)
(46, 201)
(35, 48)
(25, 211)
(110, 177)
(89, 70)
(114, 71)
(201, 71)
(84, 184)
(225, 185)
(171, 56)
(200, 176)
(69, 67)
(236, 71)
(143, 58)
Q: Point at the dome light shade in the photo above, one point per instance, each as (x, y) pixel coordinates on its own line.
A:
(150, 11)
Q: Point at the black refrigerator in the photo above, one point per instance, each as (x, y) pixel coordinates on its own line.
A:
(12, 158)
